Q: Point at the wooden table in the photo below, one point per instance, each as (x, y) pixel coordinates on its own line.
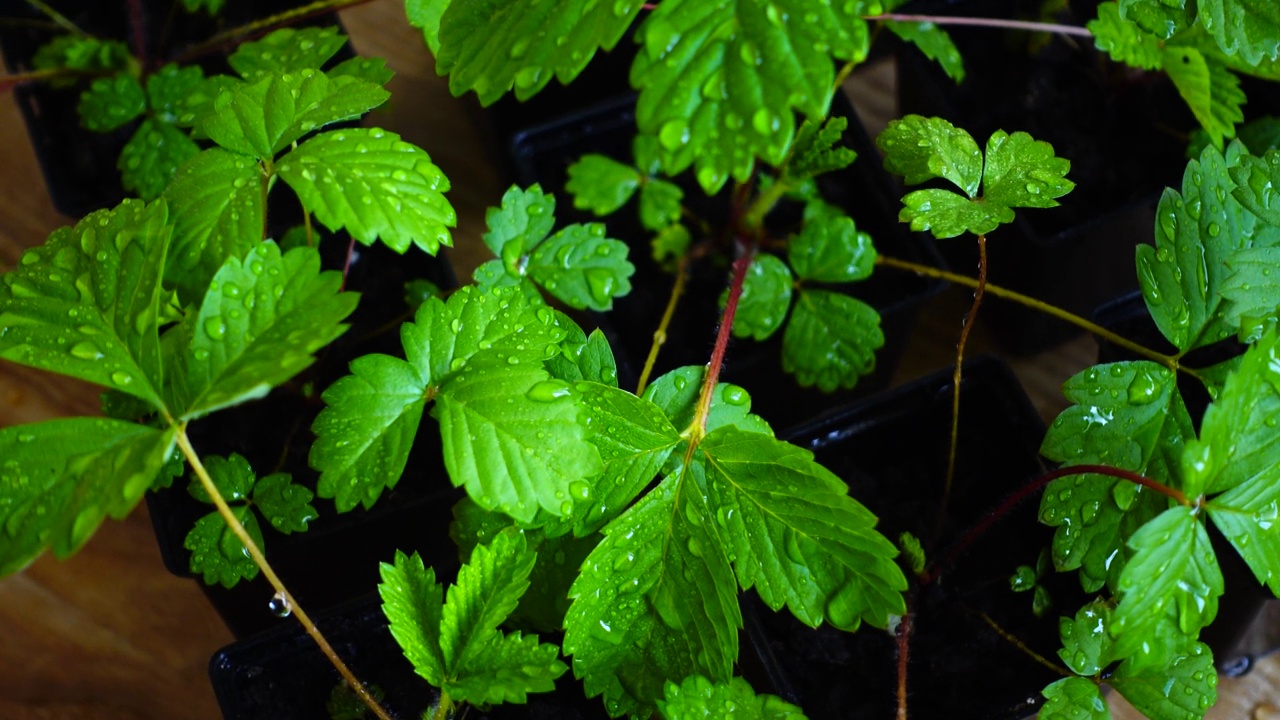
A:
(110, 635)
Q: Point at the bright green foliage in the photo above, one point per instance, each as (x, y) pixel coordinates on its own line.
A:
(830, 248)
(60, 478)
(1254, 189)
(1074, 698)
(76, 52)
(373, 184)
(1198, 232)
(578, 264)
(490, 47)
(660, 204)
(1125, 42)
(218, 213)
(584, 358)
(287, 50)
(85, 303)
(697, 697)
(601, 184)
(457, 646)
(1259, 136)
(934, 42)
(170, 91)
(151, 158)
(912, 551)
(258, 325)
(1173, 570)
(1127, 415)
(1161, 18)
(817, 151)
(676, 395)
(670, 242)
(1182, 690)
(1086, 644)
(286, 505)
(111, 102)
(1211, 90)
(719, 83)
(425, 15)
(371, 70)
(1019, 172)
(765, 299)
(217, 553)
(831, 340)
(1248, 28)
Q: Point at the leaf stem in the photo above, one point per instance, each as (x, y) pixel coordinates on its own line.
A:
(904, 647)
(712, 376)
(1000, 23)
(956, 375)
(320, 7)
(660, 335)
(57, 17)
(261, 561)
(1013, 640)
(443, 709)
(8, 82)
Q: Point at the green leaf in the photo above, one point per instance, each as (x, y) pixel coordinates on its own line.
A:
(78, 52)
(671, 242)
(151, 158)
(698, 697)
(1124, 41)
(490, 47)
(656, 600)
(1127, 415)
(413, 601)
(676, 395)
(1162, 18)
(111, 102)
(719, 84)
(765, 299)
(264, 116)
(284, 503)
(1252, 293)
(170, 89)
(373, 184)
(259, 324)
(601, 184)
(1073, 698)
(213, 7)
(830, 248)
(218, 213)
(587, 358)
(86, 302)
(831, 340)
(287, 50)
(371, 70)
(523, 220)
(217, 553)
(1182, 690)
(1211, 90)
(488, 588)
(1023, 172)
(581, 267)
(365, 432)
(232, 476)
(921, 149)
(513, 437)
(934, 42)
(1086, 644)
(1248, 28)
(60, 478)
(946, 214)
(512, 666)
(1173, 569)
(796, 535)
(660, 204)
(817, 149)
(425, 15)
(1254, 178)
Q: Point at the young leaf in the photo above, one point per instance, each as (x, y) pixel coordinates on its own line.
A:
(259, 324)
(1127, 415)
(1248, 28)
(1185, 688)
(1211, 90)
(601, 184)
(1023, 172)
(1086, 643)
(831, 340)
(86, 303)
(1073, 698)
(523, 220)
(232, 476)
(511, 667)
(830, 248)
(585, 358)
(217, 553)
(796, 535)
(698, 697)
(676, 395)
(413, 602)
(373, 184)
(151, 158)
(1125, 42)
(660, 204)
(287, 50)
(284, 503)
(1159, 17)
(719, 84)
(921, 149)
(934, 42)
(817, 149)
(946, 214)
(766, 297)
(218, 213)
(488, 588)
(111, 102)
(60, 478)
(582, 267)
(503, 43)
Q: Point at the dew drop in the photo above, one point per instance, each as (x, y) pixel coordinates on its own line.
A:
(86, 351)
(279, 605)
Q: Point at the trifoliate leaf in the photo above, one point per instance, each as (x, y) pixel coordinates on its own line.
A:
(660, 204)
(581, 267)
(287, 50)
(1183, 689)
(1173, 569)
(1023, 172)
(817, 149)
(413, 602)
(111, 102)
(946, 214)
(1248, 28)
(831, 340)
(513, 437)
(921, 149)
(765, 299)
(151, 158)
(719, 84)
(1086, 644)
(676, 395)
(698, 697)
(1073, 698)
(284, 503)
(656, 600)
(1254, 178)
(232, 476)
(1197, 233)
(830, 248)
(261, 117)
(934, 42)
(216, 551)
(1162, 18)
(504, 43)
(373, 184)
(601, 184)
(259, 324)
(1211, 90)
(796, 535)
(170, 89)
(60, 478)
(218, 214)
(86, 303)
(1124, 41)
(371, 70)
(1127, 415)
(365, 432)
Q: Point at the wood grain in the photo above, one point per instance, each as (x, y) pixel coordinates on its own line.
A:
(109, 635)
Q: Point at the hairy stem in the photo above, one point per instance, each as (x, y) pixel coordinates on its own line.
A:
(443, 709)
(320, 7)
(58, 18)
(904, 647)
(261, 561)
(999, 23)
(660, 335)
(956, 374)
(1014, 641)
(712, 376)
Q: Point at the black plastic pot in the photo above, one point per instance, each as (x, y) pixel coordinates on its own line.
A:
(1123, 131)
(543, 154)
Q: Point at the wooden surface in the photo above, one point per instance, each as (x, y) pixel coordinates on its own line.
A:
(109, 635)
